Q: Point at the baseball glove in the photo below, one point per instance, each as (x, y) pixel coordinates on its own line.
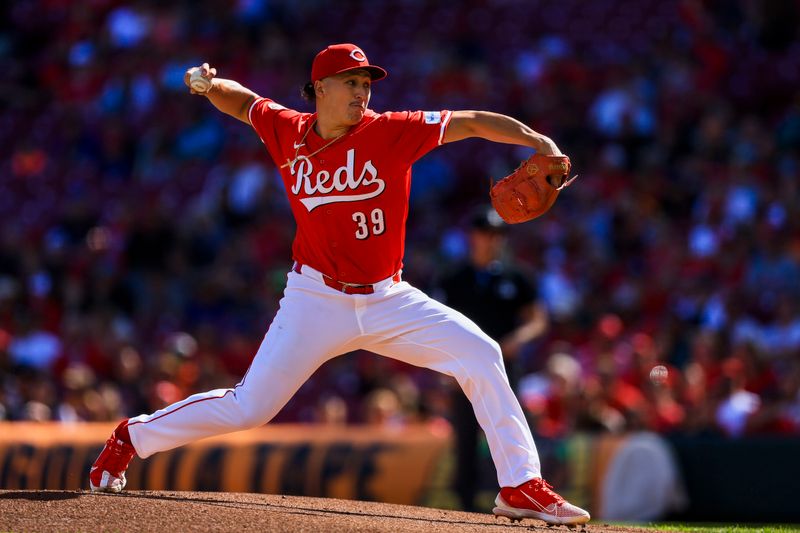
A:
(532, 188)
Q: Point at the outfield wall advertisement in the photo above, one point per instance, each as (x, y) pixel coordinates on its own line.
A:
(340, 462)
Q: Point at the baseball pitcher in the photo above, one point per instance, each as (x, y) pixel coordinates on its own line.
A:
(347, 173)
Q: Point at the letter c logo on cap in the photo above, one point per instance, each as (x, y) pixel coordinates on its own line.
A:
(358, 55)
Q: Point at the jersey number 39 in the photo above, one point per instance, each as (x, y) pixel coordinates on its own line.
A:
(375, 218)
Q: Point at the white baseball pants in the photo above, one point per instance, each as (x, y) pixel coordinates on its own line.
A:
(316, 323)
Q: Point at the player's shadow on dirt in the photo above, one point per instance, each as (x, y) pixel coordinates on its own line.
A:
(41, 496)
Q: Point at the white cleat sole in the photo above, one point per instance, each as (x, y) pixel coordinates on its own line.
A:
(518, 514)
(113, 490)
(111, 484)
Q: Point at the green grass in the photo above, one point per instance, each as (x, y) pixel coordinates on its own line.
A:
(725, 528)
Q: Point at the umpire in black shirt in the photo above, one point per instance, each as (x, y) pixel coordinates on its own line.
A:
(504, 304)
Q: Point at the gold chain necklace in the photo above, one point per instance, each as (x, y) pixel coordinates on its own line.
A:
(303, 142)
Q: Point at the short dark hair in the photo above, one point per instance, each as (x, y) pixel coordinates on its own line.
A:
(308, 93)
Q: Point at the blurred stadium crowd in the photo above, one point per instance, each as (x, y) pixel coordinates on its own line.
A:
(146, 237)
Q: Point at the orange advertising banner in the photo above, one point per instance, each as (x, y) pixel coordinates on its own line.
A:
(354, 462)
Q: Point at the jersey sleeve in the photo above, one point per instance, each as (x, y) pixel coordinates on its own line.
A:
(270, 120)
(419, 132)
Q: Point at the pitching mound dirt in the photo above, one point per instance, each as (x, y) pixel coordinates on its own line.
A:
(162, 511)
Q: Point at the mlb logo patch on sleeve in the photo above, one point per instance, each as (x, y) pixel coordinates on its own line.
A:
(433, 117)
(275, 106)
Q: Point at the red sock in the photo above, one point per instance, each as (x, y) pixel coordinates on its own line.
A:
(122, 432)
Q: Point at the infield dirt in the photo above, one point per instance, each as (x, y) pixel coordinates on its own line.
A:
(164, 511)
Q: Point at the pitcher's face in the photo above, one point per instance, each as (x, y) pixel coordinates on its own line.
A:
(344, 97)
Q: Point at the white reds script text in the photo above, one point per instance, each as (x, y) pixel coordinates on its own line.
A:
(319, 187)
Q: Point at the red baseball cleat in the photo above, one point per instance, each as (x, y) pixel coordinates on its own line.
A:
(536, 499)
(108, 471)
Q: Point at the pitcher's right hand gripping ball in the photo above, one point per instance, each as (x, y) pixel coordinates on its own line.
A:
(532, 189)
(199, 79)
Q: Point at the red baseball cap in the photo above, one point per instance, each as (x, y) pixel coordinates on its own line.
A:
(338, 58)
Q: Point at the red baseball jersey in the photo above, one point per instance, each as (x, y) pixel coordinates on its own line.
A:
(349, 196)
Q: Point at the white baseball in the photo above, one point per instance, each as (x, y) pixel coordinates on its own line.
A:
(198, 83)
